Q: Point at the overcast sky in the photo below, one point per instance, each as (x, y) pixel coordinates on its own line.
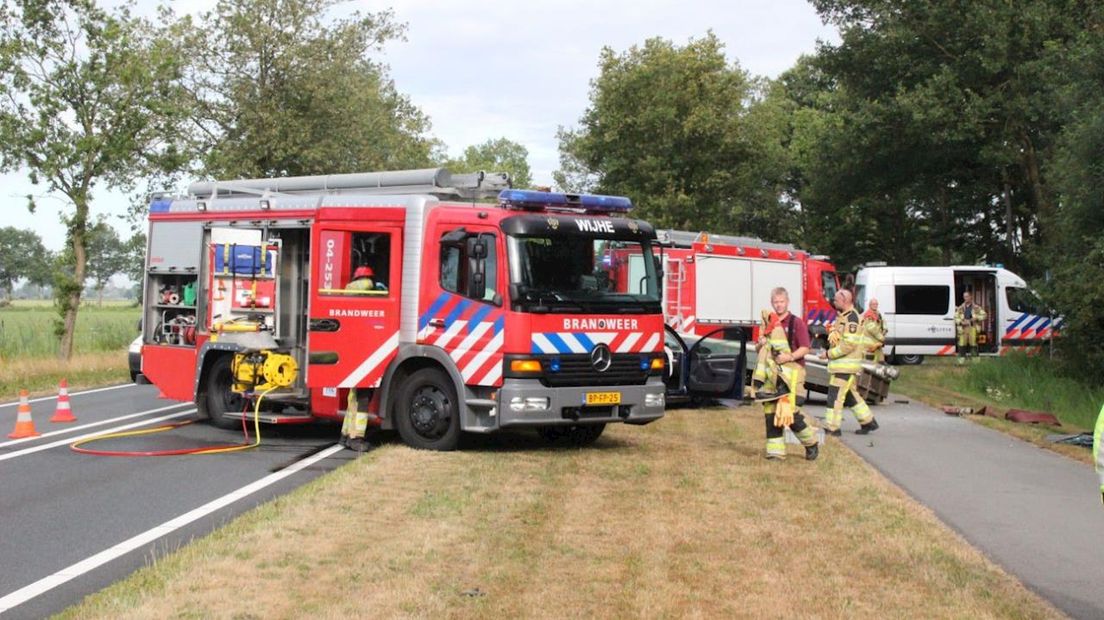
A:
(517, 70)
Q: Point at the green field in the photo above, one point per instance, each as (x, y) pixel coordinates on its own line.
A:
(27, 329)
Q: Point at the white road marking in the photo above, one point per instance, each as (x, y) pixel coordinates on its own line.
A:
(71, 394)
(93, 562)
(65, 442)
(91, 425)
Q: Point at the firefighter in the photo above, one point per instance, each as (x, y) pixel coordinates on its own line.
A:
(874, 331)
(969, 317)
(783, 350)
(1098, 456)
(844, 365)
(355, 425)
(362, 280)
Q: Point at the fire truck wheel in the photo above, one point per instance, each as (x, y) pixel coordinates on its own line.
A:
(427, 414)
(578, 435)
(220, 398)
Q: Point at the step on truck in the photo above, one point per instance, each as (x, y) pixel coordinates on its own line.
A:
(445, 314)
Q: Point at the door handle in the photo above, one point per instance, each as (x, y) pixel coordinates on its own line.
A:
(436, 322)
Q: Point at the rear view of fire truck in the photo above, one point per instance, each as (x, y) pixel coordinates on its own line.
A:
(396, 294)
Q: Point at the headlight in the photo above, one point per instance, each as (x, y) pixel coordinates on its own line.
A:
(654, 400)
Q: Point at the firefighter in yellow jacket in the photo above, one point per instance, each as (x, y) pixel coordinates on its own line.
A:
(969, 319)
(844, 365)
(780, 377)
(874, 330)
(1098, 455)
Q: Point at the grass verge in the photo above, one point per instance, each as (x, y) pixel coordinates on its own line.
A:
(40, 376)
(1012, 382)
(680, 518)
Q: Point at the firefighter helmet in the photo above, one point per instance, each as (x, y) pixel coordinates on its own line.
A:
(363, 272)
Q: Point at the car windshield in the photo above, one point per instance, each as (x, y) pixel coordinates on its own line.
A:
(566, 273)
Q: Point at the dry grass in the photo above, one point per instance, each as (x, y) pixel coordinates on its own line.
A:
(683, 518)
(41, 375)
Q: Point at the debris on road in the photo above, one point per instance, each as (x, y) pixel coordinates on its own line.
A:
(1031, 417)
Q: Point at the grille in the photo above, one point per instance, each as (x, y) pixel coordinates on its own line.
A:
(576, 370)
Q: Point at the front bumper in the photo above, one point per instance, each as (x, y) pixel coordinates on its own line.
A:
(640, 404)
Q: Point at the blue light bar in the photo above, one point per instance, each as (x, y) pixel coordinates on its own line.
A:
(160, 205)
(532, 200)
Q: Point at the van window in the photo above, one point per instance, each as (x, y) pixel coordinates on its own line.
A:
(1024, 300)
(922, 299)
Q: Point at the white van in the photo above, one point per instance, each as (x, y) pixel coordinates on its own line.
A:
(918, 304)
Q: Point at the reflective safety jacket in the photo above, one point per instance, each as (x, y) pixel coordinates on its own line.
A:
(976, 312)
(845, 358)
(873, 330)
(1098, 454)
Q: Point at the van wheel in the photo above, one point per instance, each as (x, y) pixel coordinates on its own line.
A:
(427, 412)
(221, 399)
(576, 435)
(908, 360)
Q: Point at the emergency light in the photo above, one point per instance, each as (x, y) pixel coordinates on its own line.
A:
(532, 200)
(160, 205)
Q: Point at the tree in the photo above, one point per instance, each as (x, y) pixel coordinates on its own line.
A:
(941, 107)
(22, 255)
(281, 89)
(135, 269)
(686, 135)
(1076, 258)
(106, 255)
(87, 97)
(499, 155)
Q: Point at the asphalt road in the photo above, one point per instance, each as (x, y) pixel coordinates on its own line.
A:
(64, 515)
(1032, 511)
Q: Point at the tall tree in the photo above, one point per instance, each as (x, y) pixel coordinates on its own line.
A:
(283, 88)
(942, 106)
(501, 155)
(685, 134)
(106, 256)
(87, 97)
(22, 255)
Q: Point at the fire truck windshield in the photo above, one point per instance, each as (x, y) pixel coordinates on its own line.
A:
(582, 274)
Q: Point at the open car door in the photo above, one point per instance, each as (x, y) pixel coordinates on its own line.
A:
(711, 365)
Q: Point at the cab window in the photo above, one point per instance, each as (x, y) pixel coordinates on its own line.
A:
(456, 266)
(1024, 300)
(355, 264)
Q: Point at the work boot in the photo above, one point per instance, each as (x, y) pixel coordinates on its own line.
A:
(358, 444)
(774, 457)
(812, 452)
(868, 428)
(344, 439)
(833, 432)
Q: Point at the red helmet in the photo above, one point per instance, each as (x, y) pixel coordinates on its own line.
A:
(363, 272)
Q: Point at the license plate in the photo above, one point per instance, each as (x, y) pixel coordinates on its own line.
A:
(603, 398)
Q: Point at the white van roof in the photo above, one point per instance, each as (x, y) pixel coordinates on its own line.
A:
(1004, 276)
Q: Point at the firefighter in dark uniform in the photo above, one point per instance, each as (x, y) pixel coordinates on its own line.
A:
(848, 346)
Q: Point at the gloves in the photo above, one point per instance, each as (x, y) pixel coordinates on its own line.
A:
(833, 338)
(783, 413)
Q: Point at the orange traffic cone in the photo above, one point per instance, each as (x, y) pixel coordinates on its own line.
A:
(64, 412)
(24, 426)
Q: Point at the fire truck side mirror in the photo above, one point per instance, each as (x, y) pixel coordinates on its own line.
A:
(477, 248)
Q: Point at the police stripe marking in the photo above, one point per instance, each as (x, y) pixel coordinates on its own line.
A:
(492, 347)
(626, 346)
(450, 333)
(374, 360)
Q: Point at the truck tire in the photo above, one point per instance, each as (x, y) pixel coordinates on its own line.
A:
(576, 435)
(907, 360)
(427, 412)
(220, 398)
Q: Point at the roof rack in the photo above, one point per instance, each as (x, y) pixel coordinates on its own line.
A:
(435, 181)
(683, 238)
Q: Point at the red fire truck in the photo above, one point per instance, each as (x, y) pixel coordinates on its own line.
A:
(475, 316)
(725, 280)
